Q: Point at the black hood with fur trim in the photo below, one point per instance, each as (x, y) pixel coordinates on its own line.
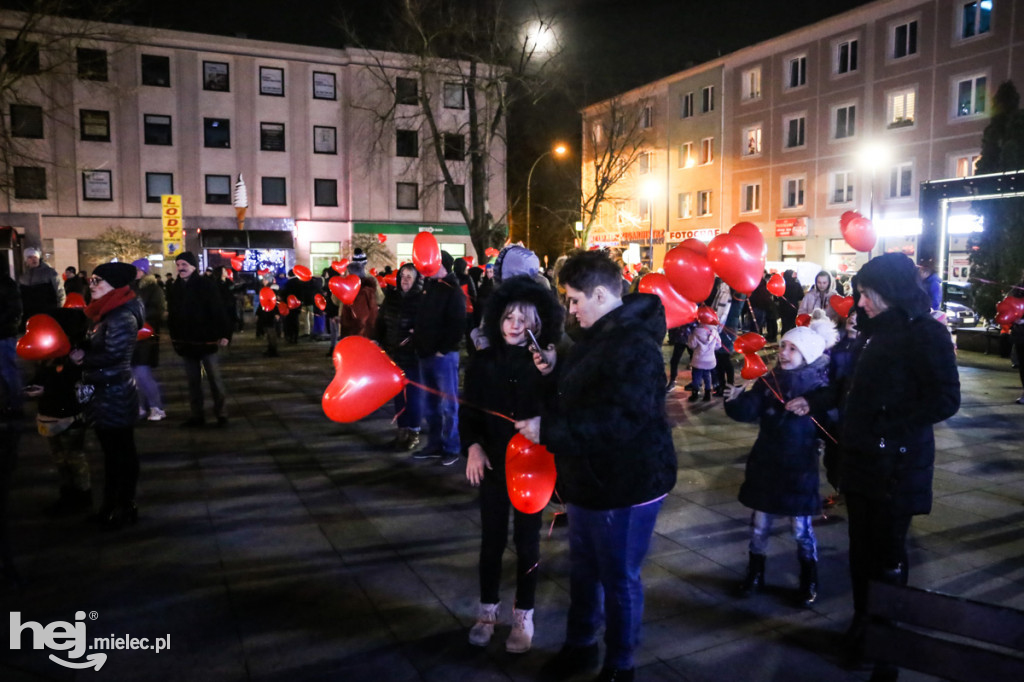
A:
(525, 288)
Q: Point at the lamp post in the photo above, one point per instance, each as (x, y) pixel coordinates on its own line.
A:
(650, 191)
(559, 151)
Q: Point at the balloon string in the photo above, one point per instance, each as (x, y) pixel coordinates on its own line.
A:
(554, 518)
(777, 394)
(750, 307)
(988, 281)
(460, 401)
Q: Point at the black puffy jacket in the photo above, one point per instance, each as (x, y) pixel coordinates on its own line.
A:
(109, 345)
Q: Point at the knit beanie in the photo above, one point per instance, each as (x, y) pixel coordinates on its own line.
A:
(142, 264)
(116, 275)
(814, 339)
(188, 257)
(515, 260)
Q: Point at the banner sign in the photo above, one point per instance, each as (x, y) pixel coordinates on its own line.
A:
(173, 224)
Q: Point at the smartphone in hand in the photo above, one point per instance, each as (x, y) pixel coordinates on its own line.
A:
(532, 346)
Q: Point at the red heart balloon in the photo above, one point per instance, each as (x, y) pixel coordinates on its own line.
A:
(803, 320)
(469, 260)
(145, 331)
(294, 302)
(739, 257)
(753, 366)
(678, 311)
(320, 301)
(695, 245)
(491, 252)
(237, 263)
(373, 271)
(1009, 310)
(391, 279)
(637, 267)
(750, 342)
(270, 305)
(381, 238)
(689, 271)
(43, 340)
(841, 304)
(426, 254)
(529, 474)
(267, 294)
(859, 233)
(339, 265)
(845, 219)
(303, 273)
(706, 315)
(776, 284)
(283, 309)
(74, 300)
(345, 288)
(365, 378)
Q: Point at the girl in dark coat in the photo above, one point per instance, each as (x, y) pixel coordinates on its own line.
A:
(782, 469)
(116, 316)
(395, 323)
(502, 378)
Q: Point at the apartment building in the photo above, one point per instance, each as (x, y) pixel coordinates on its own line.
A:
(850, 113)
(330, 143)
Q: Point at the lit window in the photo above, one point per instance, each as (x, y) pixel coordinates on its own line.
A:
(842, 188)
(597, 130)
(707, 99)
(750, 83)
(686, 105)
(685, 204)
(970, 96)
(845, 121)
(795, 129)
(904, 40)
(750, 197)
(796, 69)
(644, 164)
(966, 166)
(704, 203)
(901, 108)
(901, 180)
(686, 155)
(976, 18)
(752, 141)
(707, 150)
(646, 117)
(846, 56)
(793, 190)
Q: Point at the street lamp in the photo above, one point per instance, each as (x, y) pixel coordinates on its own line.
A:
(650, 192)
(558, 151)
(872, 156)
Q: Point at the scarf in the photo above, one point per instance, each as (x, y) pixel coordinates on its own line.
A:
(113, 299)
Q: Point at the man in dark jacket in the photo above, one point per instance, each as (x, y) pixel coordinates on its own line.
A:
(605, 423)
(41, 289)
(198, 325)
(10, 320)
(440, 321)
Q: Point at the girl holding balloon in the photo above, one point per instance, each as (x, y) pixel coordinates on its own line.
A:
(502, 379)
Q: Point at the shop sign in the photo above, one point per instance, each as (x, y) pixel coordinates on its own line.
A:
(791, 227)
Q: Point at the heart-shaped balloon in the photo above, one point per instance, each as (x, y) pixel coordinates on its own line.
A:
(678, 311)
(270, 305)
(74, 300)
(695, 245)
(237, 263)
(283, 309)
(381, 238)
(751, 342)
(43, 340)
(391, 279)
(739, 257)
(845, 219)
(529, 474)
(859, 233)
(320, 302)
(373, 271)
(303, 273)
(753, 366)
(776, 285)
(365, 378)
(294, 302)
(629, 276)
(689, 271)
(706, 315)
(1009, 310)
(345, 288)
(339, 265)
(469, 260)
(145, 332)
(267, 295)
(426, 254)
(803, 320)
(841, 304)
(491, 252)
(263, 272)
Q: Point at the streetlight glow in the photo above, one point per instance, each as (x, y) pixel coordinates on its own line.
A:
(558, 150)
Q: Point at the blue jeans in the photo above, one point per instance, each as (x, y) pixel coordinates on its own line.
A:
(9, 372)
(803, 533)
(409, 402)
(702, 376)
(149, 390)
(442, 374)
(606, 552)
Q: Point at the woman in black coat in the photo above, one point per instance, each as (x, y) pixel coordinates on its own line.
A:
(395, 323)
(116, 316)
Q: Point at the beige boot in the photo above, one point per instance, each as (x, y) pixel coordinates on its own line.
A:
(521, 637)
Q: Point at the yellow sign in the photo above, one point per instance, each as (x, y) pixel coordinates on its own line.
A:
(173, 224)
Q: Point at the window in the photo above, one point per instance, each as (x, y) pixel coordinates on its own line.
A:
(643, 210)
(26, 121)
(644, 162)
(707, 150)
(325, 192)
(216, 77)
(407, 195)
(272, 81)
(407, 143)
(454, 96)
(793, 189)
(842, 188)
(217, 133)
(406, 91)
(845, 119)
(685, 204)
(274, 191)
(752, 141)
(795, 129)
(29, 182)
(975, 18)
(750, 83)
(970, 96)
(965, 166)
(324, 86)
(325, 140)
(686, 155)
(704, 203)
(158, 184)
(750, 198)
(646, 117)
(218, 189)
(901, 108)
(597, 132)
(454, 197)
(156, 70)
(904, 40)
(157, 129)
(94, 126)
(846, 56)
(271, 137)
(686, 105)
(707, 99)
(454, 147)
(22, 58)
(96, 185)
(796, 70)
(901, 180)
(92, 64)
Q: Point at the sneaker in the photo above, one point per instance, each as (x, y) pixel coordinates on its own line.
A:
(449, 458)
(521, 637)
(156, 414)
(427, 454)
(482, 631)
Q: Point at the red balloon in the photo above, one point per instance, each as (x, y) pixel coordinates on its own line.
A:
(339, 265)
(373, 271)
(803, 320)
(739, 257)
(320, 301)
(229, 275)
(294, 302)
(678, 311)
(74, 300)
(637, 267)
(43, 340)
(845, 219)
(689, 271)
(529, 474)
(695, 245)
(269, 305)
(1009, 310)
(345, 288)
(283, 309)
(303, 273)
(381, 237)
(145, 331)
(706, 315)
(237, 263)
(629, 275)
(469, 260)
(391, 279)
(776, 284)
(753, 366)
(750, 342)
(426, 254)
(365, 378)
(859, 233)
(841, 304)
(267, 294)
(491, 252)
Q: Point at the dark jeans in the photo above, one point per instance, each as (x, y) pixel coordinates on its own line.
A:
(194, 372)
(677, 355)
(878, 543)
(606, 552)
(494, 506)
(702, 376)
(120, 464)
(409, 402)
(724, 369)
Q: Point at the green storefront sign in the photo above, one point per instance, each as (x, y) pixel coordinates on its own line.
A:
(450, 230)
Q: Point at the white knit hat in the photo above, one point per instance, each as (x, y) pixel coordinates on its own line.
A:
(813, 339)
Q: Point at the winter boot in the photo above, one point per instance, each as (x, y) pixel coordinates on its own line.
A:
(808, 582)
(521, 637)
(487, 617)
(707, 395)
(754, 580)
(694, 395)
